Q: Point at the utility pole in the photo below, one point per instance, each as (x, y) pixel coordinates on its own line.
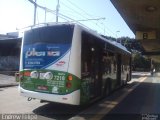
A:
(117, 36)
(35, 11)
(45, 15)
(57, 11)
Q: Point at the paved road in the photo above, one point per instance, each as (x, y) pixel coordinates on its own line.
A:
(12, 103)
(140, 97)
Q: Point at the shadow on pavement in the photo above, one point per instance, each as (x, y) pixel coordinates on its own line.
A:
(142, 100)
(58, 111)
(122, 117)
(62, 111)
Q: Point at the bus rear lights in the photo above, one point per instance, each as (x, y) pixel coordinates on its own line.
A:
(48, 75)
(27, 73)
(42, 88)
(70, 77)
(34, 74)
(68, 85)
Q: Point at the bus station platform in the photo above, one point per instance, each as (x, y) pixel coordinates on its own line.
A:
(139, 100)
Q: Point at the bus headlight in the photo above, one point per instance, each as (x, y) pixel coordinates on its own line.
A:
(48, 75)
(34, 74)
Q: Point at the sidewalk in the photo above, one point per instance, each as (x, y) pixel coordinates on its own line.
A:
(6, 81)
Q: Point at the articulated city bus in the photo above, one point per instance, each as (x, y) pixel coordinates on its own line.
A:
(67, 63)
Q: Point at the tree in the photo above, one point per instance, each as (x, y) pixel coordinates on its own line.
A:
(140, 62)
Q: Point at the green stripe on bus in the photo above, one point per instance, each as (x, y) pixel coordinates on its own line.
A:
(57, 85)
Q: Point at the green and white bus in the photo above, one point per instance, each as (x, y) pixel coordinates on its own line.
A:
(67, 63)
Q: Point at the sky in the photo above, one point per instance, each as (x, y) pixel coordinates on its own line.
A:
(17, 14)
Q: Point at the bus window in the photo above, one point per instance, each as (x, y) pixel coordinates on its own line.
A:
(91, 58)
(54, 35)
(125, 69)
(109, 65)
(109, 71)
(43, 46)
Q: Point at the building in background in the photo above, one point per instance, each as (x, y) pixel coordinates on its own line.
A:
(10, 45)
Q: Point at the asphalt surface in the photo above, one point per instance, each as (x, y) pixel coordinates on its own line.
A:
(139, 100)
(143, 103)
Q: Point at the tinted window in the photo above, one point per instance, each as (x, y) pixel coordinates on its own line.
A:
(50, 34)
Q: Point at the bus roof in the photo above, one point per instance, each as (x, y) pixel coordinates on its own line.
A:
(114, 43)
(82, 27)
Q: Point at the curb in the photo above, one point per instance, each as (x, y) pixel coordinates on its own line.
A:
(7, 85)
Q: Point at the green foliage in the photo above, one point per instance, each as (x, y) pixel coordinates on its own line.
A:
(140, 63)
(130, 43)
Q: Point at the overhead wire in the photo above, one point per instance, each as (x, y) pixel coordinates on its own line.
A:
(52, 11)
(81, 14)
(73, 10)
(89, 15)
(45, 8)
(76, 6)
(62, 16)
(86, 14)
(80, 9)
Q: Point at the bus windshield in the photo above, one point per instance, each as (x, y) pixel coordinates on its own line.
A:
(43, 46)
